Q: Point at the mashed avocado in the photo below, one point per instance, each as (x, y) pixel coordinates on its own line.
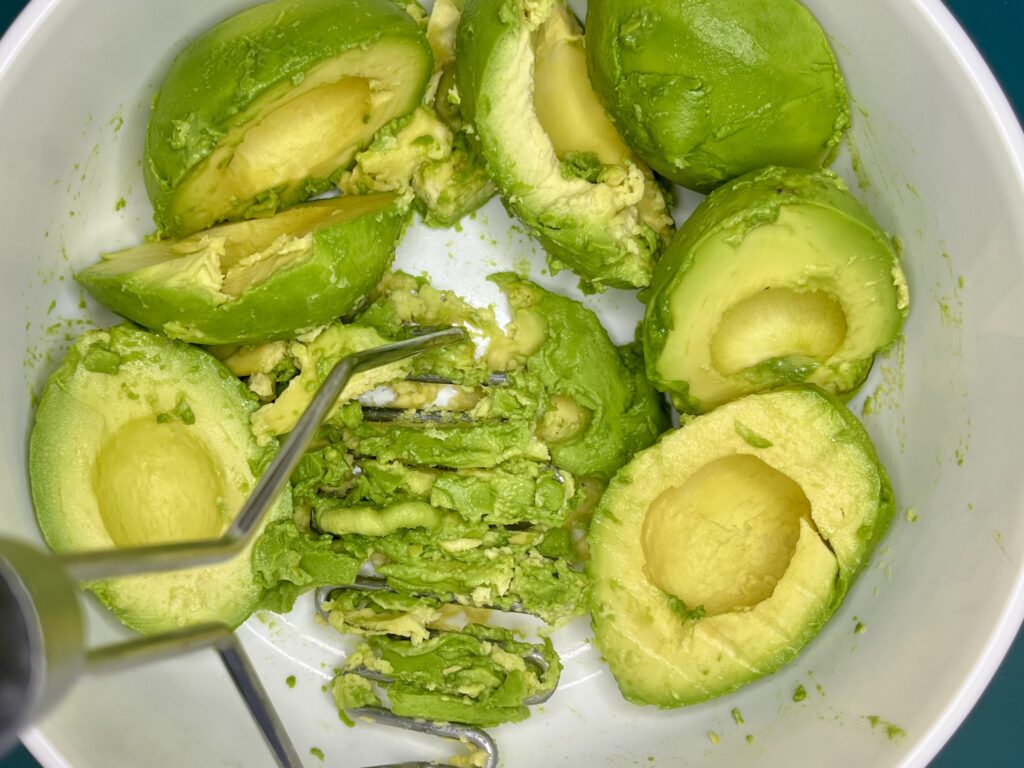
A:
(466, 472)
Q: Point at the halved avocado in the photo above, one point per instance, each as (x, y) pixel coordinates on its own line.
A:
(720, 552)
(779, 277)
(259, 280)
(547, 143)
(270, 106)
(140, 440)
(707, 91)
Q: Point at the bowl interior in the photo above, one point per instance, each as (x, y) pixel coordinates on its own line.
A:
(932, 155)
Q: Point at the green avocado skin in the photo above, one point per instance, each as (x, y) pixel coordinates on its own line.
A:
(211, 83)
(347, 261)
(705, 92)
(742, 205)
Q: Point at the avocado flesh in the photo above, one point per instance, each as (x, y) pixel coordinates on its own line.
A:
(779, 277)
(139, 440)
(271, 129)
(427, 154)
(475, 495)
(713, 561)
(252, 281)
(606, 222)
(706, 92)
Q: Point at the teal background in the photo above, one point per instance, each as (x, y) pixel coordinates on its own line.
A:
(991, 734)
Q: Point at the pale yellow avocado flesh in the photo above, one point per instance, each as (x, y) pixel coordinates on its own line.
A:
(229, 259)
(737, 309)
(717, 554)
(295, 133)
(776, 323)
(567, 106)
(157, 452)
(146, 468)
(722, 540)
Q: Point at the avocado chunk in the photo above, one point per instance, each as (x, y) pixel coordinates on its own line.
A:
(705, 92)
(428, 154)
(270, 106)
(713, 561)
(467, 472)
(139, 440)
(253, 281)
(779, 277)
(477, 675)
(558, 160)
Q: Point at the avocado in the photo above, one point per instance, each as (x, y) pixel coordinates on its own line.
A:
(714, 561)
(466, 472)
(270, 106)
(258, 280)
(141, 440)
(420, 155)
(547, 143)
(779, 277)
(705, 92)
(477, 675)
(428, 153)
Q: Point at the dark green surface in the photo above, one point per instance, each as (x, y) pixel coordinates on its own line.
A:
(990, 736)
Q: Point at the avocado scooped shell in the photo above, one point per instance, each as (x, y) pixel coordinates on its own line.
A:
(269, 107)
(557, 159)
(253, 281)
(717, 554)
(779, 277)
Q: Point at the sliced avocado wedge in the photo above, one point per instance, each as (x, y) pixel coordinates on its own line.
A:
(714, 561)
(140, 440)
(270, 106)
(779, 277)
(253, 281)
(705, 92)
(546, 142)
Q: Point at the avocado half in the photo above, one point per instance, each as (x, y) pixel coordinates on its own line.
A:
(253, 281)
(547, 143)
(779, 277)
(720, 552)
(705, 92)
(270, 106)
(139, 440)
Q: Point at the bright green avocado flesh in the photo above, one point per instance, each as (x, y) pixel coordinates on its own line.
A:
(466, 474)
(269, 107)
(139, 440)
(258, 280)
(719, 553)
(705, 92)
(544, 137)
(779, 277)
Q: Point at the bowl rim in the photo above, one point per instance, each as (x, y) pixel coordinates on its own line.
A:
(1001, 113)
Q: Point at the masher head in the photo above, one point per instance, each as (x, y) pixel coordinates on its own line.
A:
(41, 636)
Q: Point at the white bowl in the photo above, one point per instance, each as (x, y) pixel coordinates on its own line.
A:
(942, 165)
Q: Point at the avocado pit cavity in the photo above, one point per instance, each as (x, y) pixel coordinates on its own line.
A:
(566, 105)
(782, 327)
(157, 483)
(723, 539)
